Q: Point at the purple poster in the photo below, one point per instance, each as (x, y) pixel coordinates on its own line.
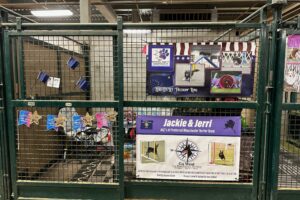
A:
(188, 148)
(182, 125)
(292, 65)
(192, 68)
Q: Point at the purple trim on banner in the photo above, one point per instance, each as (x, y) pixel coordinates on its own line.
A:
(183, 125)
(294, 41)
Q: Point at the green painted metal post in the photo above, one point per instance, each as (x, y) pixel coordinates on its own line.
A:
(278, 59)
(10, 114)
(261, 113)
(121, 106)
(20, 63)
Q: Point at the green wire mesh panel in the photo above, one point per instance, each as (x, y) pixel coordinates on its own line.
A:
(247, 135)
(136, 85)
(81, 67)
(136, 52)
(63, 155)
(66, 68)
(289, 157)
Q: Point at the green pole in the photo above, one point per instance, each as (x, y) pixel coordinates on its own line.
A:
(121, 106)
(261, 113)
(278, 60)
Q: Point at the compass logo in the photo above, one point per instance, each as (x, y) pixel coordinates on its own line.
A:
(187, 151)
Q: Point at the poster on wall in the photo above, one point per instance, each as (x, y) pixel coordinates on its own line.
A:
(191, 69)
(188, 148)
(292, 65)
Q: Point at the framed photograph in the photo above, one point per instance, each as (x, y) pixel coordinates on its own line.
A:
(207, 55)
(189, 75)
(226, 82)
(237, 61)
(161, 58)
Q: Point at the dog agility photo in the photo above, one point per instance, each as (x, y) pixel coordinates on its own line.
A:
(226, 82)
(189, 75)
(152, 151)
(221, 154)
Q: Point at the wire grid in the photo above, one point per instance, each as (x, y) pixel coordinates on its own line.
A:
(247, 135)
(50, 54)
(64, 155)
(135, 61)
(289, 157)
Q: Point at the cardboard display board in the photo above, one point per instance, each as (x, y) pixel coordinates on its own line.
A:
(191, 70)
(188, 148)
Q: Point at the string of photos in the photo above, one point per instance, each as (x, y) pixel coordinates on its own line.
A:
(54, 82)
(96, 128)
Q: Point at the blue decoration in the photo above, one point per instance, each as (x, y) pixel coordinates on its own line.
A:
(51, 122)
(24, 118)
(43, 76)
(82, 84)
(72, 63)
(77, 123)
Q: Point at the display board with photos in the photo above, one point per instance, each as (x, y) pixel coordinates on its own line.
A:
(188, 147)
(292, 65)
(201, 69)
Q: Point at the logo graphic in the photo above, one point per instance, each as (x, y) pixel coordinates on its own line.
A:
(146, 124)
(187, 151)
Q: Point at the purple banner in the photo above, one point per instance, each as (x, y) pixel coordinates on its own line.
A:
(294, 41)
(183, 125)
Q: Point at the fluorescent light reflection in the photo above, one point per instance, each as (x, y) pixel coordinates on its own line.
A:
(137, 31)
(51, 13)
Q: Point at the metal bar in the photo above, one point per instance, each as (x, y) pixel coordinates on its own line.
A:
(260, 150)
(192, 104)
(87, 66)
(242, 21)
(73, 185)
(62, 26)
(10, 114)
(275, 132)
(20, 65)
(121, 106)
(16, 14)
(60, 103)
(293, 97)
(86, 26)
(191, 25)
(290, 106)
(63, 33)
(59, 70)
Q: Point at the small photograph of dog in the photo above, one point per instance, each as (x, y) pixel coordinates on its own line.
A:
(226, 82)
(222, 153)
(152, 151)
(237, 61)
(293, 54)
(189, 74)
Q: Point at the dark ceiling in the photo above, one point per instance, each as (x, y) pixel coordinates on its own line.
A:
(142, 10)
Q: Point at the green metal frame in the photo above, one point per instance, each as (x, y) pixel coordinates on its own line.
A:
(140, 189)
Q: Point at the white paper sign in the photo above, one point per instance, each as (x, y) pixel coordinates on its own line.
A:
(165, 157)
(53, 82)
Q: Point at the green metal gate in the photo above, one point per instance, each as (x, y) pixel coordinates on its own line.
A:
(48, 164)
(284, 149)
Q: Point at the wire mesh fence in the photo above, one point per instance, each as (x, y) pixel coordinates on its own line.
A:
(64, 68)
(289, 157)
(188, 42)
(85, 68)
(247, 135)
(55, 151)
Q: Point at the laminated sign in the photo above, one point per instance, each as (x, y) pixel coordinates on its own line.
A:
(292, 64)
(188, 148)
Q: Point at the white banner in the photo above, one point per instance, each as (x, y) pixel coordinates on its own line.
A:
(188, 157)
